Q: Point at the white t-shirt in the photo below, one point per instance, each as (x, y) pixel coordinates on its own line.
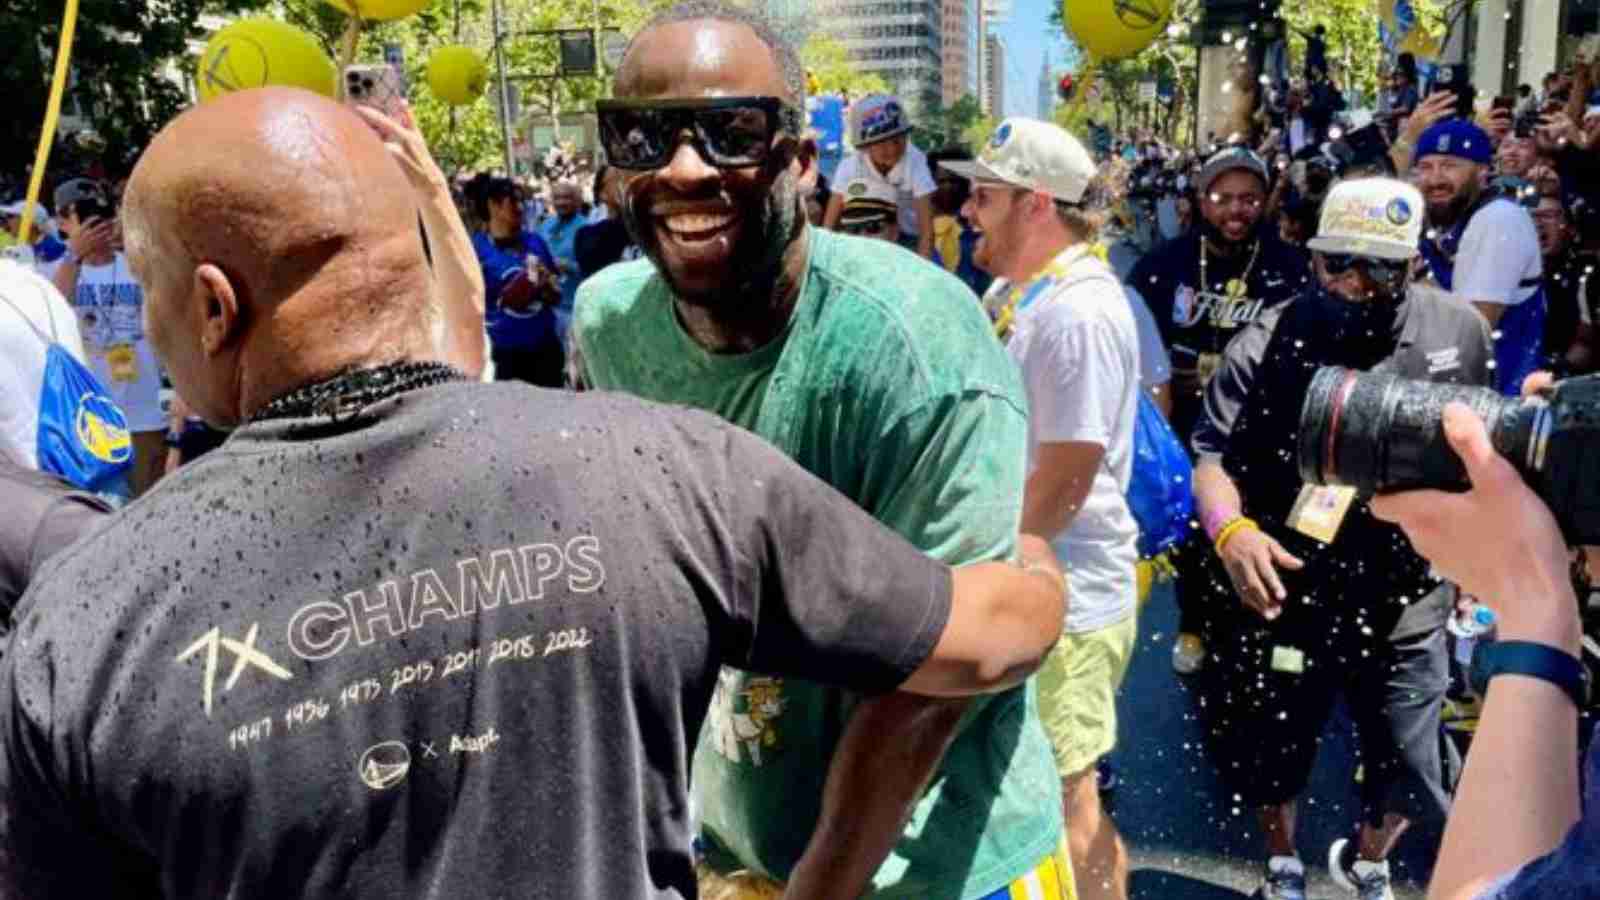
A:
(110, 309)
(1498, 260)
(1155, 366)
(1075, 341)
(908, 181)
(23, 353)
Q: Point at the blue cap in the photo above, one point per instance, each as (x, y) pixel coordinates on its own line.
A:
(1455, 137)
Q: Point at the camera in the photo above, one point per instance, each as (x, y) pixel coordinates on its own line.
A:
(1381, 433)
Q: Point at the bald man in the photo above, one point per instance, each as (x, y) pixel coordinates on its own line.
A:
(406, 635)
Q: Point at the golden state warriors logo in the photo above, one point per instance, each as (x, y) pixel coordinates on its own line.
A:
(1398, 211)
(102, 430)
(1138, 15)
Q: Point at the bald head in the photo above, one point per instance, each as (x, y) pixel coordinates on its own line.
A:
(277, 243)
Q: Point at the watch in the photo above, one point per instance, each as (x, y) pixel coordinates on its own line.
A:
(1540, 661)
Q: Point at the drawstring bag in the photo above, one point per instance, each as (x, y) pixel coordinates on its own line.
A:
(1160, 493)
(83, 435)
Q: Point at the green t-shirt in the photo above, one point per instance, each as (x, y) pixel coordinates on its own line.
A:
(889, 385)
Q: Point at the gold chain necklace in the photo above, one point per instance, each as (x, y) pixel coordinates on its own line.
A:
(1236, 287)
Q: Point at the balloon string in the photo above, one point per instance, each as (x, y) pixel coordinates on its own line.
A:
(52, 116)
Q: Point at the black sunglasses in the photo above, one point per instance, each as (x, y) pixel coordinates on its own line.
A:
(1382, 270)
(728, 132)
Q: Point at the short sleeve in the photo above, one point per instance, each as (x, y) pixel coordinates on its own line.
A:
(1155, 366)
(922, 183)
(816, 588)
(844, 174)
(1077, 376)
(1498, 260)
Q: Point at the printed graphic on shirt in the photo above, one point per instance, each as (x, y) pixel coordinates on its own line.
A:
(1229, 310)
(425, 599)
(110, 315)
(743, 722)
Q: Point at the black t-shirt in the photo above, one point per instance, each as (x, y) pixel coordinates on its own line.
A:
(1197, 322)
(456, 648)
(1572, 296)
(43, 515)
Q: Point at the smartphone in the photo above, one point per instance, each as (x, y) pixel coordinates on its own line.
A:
(381, 87)
(1503, 103)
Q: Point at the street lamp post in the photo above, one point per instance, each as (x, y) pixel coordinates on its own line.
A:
(505, 93)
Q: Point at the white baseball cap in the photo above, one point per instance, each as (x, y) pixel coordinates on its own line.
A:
(1031, 154)
(42, 222)
(1377, 217)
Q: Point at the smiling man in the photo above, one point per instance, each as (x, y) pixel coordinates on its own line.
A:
(875, 371)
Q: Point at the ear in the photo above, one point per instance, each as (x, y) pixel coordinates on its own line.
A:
(217, 304)
(803, 163)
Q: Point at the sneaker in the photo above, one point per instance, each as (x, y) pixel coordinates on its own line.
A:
(1286, 880)
(1363, 879)
(1188, 653)
(1105, 776)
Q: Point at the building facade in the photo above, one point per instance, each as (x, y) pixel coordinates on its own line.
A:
(901, 41)
(957, 63)
(1047, 91)
(994, 76)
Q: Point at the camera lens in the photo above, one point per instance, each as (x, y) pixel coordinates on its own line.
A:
(1378, 432)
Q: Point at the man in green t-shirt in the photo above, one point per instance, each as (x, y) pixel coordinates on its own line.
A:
(875, 371)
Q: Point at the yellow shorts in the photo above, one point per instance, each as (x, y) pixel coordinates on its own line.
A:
(1049, 880)
(1078, 693)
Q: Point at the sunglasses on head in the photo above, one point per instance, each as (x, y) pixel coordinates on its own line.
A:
(727, 132)
(1383, 270)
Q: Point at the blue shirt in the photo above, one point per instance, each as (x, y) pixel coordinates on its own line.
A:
(560, 234)
(48, 250)
(509, 329)
(1569, 871)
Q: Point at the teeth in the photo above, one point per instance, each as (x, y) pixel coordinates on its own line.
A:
(690, 223)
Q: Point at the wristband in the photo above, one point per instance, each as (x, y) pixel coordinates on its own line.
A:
(1214, 522)
(1236, 525)
(1532, 660)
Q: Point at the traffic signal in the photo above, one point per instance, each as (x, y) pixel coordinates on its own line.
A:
(1065, 87)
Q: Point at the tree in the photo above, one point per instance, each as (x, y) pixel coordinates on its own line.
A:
(833, 70)
(1170, 59)
(122, 49)
(948, 126)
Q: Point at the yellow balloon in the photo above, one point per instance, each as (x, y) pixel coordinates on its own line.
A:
(457, 75)
(378, 10)
(1112, 29)
(252, 53)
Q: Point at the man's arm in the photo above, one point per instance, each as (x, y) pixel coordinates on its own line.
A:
(830, 216)
(958, 509)
(868, 799)
(1519, 792)
(1248, 554)
(924, 207)
(1059, 484)
(458, 278)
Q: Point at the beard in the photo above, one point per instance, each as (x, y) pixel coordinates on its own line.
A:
(1448, 213)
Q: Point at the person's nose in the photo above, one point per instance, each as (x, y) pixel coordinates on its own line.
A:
(686, 169)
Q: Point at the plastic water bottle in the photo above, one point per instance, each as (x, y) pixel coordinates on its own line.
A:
(1468, 627)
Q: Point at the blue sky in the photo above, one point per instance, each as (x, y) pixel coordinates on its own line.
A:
(1027, 38)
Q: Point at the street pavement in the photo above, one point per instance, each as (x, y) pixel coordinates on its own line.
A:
(1187, 838)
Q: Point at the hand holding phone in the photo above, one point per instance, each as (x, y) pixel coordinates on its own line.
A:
(381, 87)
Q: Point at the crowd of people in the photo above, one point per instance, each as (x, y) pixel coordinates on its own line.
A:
(795, 549)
